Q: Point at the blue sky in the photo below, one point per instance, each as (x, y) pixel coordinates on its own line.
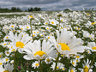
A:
(49, 4)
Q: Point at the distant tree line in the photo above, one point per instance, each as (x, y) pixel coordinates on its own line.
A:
(14, 9)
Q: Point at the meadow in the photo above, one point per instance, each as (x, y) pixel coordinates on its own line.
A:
(48, 41)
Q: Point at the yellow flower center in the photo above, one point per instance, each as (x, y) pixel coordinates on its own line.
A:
(37, 64)
(77, 56)
(13, 50)
(76, 60)
(52, 22)
(46, 23)
(30, 16)
(11, 46)
(87, 14)
(27, 27)
(64, 46)
(4, 44)
(48, 60)
(0, 56)
(73, 63)
(57, 67)
(48, 37)
(19, 44)
(37, 32)
(63, 68)
(21, 28)
(7, 37)
(47, 28)
(41, 35)
(93, 23)
(71, 70)
(33, 35)
(0, 63)
(12, 26)
(6, 71)
(86, 69)
(40, 53)
(7, 52)
(7, 59)
(94, 48)
(61, 20)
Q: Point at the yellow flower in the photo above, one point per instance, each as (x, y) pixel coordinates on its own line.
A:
(19, 44)
(31, 17)
(86, 69)
(87, 14)
(40, 53)
(93, 23)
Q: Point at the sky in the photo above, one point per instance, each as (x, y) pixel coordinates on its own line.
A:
(49, 4)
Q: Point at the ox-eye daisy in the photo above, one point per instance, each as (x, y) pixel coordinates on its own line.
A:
(67, 43)
(72, 70)
(18, 42)
(53, 22)
(12, 26)
(92, 45)
(35, 51)
(1, 62)
(36, 64)
(86, 66)
(59, 66)
(48, 60)
(8, 68)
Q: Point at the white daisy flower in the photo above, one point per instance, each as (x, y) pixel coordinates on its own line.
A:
(35, 64)
(48, 60)
(92, 46)
(86, 66)
(35, 51)
(19, 41)
(4, 44)
(46, 22)
(27, 27)
(7, 53)
(6, 37)
(35, 33)
(12, 26)
(6, 59)
(87, 34)
(74, 62)
(77, 28)
(1, 62)
(72, 70)
(8, 67)
(62, 19)
(31, 17)
(11, 48)
(22, 27)
(53, 22)
(59, 66)
(67, 43)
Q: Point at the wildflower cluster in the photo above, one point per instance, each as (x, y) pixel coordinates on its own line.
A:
(41, 42)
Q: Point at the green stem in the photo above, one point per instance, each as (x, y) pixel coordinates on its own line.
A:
(15, 62)
(40, 66)
(56, 62)
(92, 63)
(94, 33)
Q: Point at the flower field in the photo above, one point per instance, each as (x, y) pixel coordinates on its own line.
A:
(48, 42)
